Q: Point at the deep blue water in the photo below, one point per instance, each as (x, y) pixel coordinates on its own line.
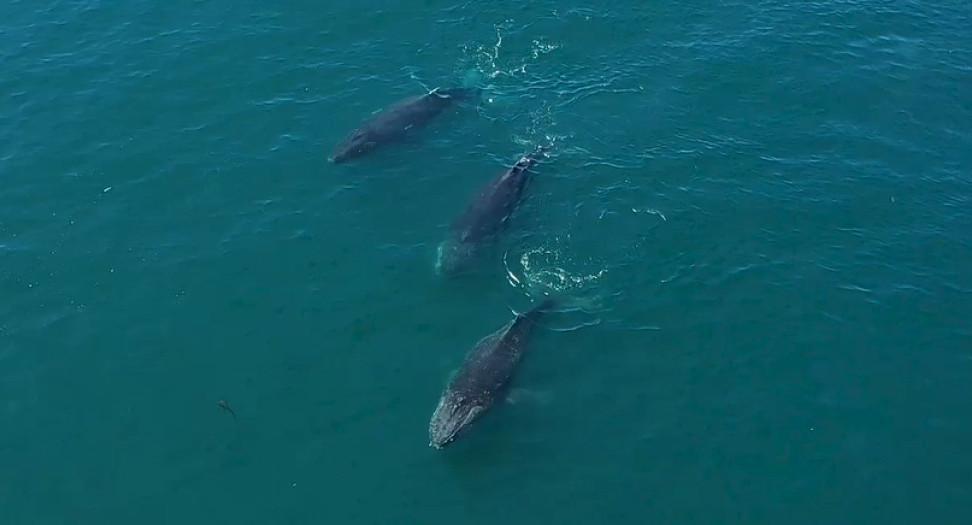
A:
(760, 213)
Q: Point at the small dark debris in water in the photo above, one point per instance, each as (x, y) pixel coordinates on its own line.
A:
(225, 406)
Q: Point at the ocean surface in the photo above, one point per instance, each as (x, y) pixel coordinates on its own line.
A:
(759, 215)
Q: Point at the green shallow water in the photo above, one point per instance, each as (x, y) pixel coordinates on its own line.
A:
(762, 210)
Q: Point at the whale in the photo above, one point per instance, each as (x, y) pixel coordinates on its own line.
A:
(483, 378)
(484, 216)
(396, 121)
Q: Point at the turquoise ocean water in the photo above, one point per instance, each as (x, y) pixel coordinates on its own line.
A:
(761, 211)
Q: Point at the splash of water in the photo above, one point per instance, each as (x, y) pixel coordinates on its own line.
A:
(489, 65)
(545, 270)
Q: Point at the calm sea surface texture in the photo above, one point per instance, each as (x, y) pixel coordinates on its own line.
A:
(758, 216)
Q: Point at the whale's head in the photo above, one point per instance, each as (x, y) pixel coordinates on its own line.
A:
(454, 256)
(453, 415)
(356, 144)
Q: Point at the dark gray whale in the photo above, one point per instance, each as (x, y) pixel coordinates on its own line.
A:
(483, 377)
(392, 123)
(483, 218)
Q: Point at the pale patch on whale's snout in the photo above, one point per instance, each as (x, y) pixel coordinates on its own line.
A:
(451, 417)
(355, 145)
(453, 257)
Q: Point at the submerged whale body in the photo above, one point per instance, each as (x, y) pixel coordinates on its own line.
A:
(392, 123)
(485, 216)
(483, 377)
